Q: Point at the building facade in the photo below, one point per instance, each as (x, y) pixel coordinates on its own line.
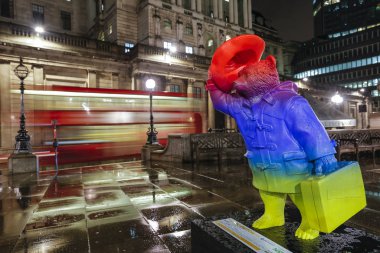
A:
(346, 53)
(119, 44)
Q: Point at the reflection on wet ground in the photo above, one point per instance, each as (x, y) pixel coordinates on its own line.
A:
(129, 207)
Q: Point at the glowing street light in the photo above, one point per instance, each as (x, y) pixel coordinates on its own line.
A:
(152, 132)
(305, 79)
(337, 99)
(39, 29)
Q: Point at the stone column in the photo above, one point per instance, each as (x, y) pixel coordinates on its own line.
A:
(249, 14)
(220, 9)
(236, 13)
(245, 13)
(38, 75)
(211, 113)
(6, 138)
(100, 6)
(172, 1)
(231, 11)
(193, 5)
(38, 81)
(280, 60)
(179, 3)
(91, 79)
(215, 8)
(199, 6)
(190, 97)
(227, 122)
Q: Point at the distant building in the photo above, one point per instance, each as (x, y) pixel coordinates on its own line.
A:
(345, 52)
(283, 51)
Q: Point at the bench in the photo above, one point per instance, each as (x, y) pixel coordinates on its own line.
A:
(356, 142)
(218, 144)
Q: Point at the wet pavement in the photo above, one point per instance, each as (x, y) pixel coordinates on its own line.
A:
(129, 207)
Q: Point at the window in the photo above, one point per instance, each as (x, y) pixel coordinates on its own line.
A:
(128, 46)
(6, 8)
(66, 20)
(167, 45)
(197, 92)
(189, 50)
(110, 29)
(175, 88)
(187, 4)
(189, 29)
(210, 43)
(38, 13)
(167, 25)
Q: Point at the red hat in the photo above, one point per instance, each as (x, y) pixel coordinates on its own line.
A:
(232, 56)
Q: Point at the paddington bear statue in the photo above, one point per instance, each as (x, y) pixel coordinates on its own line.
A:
(285, 141)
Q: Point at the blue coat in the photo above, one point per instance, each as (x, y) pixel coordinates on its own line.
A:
(282, 134)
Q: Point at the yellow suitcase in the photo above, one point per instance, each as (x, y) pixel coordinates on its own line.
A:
(333, 199)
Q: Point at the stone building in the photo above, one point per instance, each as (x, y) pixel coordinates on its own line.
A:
(119, 44)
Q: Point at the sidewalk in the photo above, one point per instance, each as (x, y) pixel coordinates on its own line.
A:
(127, 207)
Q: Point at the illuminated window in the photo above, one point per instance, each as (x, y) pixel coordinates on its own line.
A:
(101, 36)
(228, 37)
(210, 43)
(128, 46)
(38, 13)
(110, 29)
(189, 50)
(66, 20)
(167, 45)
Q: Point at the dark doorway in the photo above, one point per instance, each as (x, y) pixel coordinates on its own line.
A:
(219, 120)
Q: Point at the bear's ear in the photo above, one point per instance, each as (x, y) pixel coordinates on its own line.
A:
(271, 59)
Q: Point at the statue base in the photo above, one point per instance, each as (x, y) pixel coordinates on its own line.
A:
(207, 237)
(22, 163)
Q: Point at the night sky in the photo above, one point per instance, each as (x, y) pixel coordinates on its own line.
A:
(292, 18)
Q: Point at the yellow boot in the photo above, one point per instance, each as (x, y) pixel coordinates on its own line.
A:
(304, 231)
(274, 210)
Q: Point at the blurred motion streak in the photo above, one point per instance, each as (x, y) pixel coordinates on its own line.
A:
(102, 124)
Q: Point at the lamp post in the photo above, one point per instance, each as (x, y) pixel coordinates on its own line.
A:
(152, 132)
(22, 138)
(363, 107)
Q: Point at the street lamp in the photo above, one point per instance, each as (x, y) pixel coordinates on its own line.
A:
(39, 29)
(22, 139)
(337, 99)
(152, 132)
(363, 107)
